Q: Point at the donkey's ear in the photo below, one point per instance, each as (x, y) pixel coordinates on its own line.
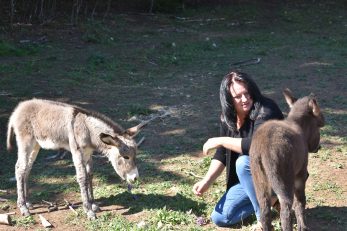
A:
(314, 107)
(109, 140)
(132, 132)
(288, 95)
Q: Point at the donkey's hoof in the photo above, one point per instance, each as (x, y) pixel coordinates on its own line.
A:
(91, 215)
(95, 208)
(24, 211)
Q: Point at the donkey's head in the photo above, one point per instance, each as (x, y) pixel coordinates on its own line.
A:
(306, 112)
(122, 155)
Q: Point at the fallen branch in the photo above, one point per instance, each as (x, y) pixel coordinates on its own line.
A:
(193, 174)
(45, 222)
(137, 128)
(199, 20)
(99, 156)
(58, 156)
(246, 62)
(3, 199)
(4, 93)
(47, 202)
(140, 141)
(70, 206)
(51, 206)
(10, 213)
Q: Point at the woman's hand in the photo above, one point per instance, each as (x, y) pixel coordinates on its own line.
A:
(200, 187)
(211, 144)
(215, 169)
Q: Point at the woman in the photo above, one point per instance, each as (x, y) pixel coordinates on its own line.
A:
(244, 109)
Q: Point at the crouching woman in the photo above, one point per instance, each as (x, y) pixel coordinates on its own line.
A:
(244, 109)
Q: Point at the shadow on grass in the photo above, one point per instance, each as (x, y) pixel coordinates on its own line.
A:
(327, 218)
(139, 202)
(149, 172)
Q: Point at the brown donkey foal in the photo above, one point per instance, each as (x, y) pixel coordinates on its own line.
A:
(279, 158)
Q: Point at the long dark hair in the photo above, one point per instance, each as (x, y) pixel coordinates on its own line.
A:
(228, 110)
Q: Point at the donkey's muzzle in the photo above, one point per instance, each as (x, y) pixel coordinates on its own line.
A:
(132, 176)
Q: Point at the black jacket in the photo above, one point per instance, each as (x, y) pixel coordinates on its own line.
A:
(269, 110)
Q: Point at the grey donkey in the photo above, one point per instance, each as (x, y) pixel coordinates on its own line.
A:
(39, 123)
(279, 158)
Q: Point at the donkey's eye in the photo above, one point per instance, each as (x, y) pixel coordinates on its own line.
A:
(126, 157)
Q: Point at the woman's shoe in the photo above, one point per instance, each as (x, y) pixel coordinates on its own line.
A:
(256, 227)
(259, 227)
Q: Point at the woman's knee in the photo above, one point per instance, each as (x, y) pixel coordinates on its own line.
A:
(219, 219)
(243, 165)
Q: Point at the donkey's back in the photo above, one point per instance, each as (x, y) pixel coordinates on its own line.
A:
(280, 147)
(44, 121)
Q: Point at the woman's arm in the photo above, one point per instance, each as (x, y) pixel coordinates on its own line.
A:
(214, 171)
(233, 144)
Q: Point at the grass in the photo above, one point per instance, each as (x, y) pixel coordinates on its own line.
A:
(130, 65)
(25, 222)
(10, 49)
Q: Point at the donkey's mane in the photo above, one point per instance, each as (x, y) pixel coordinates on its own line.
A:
(116, 127)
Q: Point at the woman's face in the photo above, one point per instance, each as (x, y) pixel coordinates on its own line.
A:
(243, 101)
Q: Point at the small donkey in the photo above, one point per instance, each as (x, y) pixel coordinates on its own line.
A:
(279, 158)
(48, 124)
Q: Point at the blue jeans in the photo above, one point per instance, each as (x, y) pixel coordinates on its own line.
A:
(240, 200)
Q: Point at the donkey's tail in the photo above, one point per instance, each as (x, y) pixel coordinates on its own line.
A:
(10, 136)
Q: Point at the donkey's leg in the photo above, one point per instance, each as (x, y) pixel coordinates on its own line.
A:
(284, 189)
(89, 168)
(21, 185)
(31, 160)
(25, 148)
(80, 157)
(263, 192)
(264, 200)
(82, 179)
(286, 202)
(282, 179)
(300, 201)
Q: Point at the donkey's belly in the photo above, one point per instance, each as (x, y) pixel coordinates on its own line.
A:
(51, 144)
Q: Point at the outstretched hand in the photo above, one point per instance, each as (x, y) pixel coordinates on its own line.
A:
(200, 187)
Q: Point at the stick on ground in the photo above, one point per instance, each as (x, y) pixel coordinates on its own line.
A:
(70, 206)
(44, 222)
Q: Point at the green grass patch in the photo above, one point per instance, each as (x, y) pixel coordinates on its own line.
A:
(10, 49)
(25, 222)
